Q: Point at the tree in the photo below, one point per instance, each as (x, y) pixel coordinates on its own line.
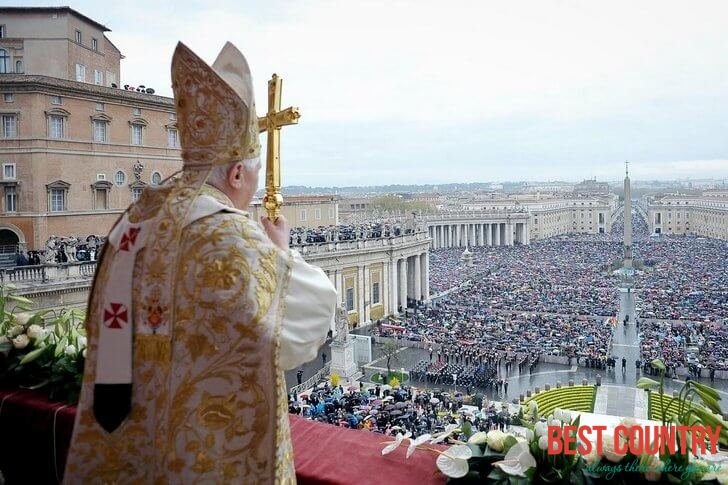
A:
(389, 349)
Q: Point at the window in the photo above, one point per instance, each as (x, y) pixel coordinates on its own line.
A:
(3, 32)
(8, 97)
(56, 125)
(349, 299)
(136, 192)
(100, 177)
(98, 78)
(10, 126)
(19, 66)
(81, 73)
(303, 215)
(56, 100)
(8, 171)
(136, 134)
(137, 112)
(172, 140)
(156, 178)
(317, 214)
(173, 116)
(4, 59)
(120, 178)
(100, 131)
(99, 106)
(11, 200)
(331, 212)
(79, 38)
(58, 200)
(375, 293)
(94, 43)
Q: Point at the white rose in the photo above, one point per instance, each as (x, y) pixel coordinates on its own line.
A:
(22, 318)
(495, 440)
(592, 457)
(609, 452)
(628, 423)
(654, 472)
(543, 443)
(70, 350)
(15, 330)
(479, 438)
(82, 342)
(36, 332)
(555, 422)
(541, 428)
(21, 341)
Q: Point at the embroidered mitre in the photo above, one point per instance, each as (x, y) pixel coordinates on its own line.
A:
(228, 131)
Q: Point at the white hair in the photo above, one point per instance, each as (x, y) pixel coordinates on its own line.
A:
(218, 175)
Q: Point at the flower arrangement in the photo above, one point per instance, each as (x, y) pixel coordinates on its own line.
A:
(523, 456)
(41, 350)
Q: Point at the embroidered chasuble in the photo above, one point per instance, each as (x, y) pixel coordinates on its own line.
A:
(197, 313)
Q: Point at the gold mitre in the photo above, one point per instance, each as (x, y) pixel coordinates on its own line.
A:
(216, 116)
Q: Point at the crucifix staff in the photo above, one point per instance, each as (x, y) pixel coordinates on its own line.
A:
(272, 123)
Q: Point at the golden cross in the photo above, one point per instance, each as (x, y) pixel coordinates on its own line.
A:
(272, 123)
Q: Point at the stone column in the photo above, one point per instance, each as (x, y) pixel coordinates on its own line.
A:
(457, 236)
(489, 234)
(360, 289)
(497, 241)
(417, 277)
(367, 294)
(393, 286)
(402, 276)
(526, 234)
(425, 259)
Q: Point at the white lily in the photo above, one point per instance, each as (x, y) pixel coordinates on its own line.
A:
(454, 461)
(449, 429)
(393, 445)
(517, 461)
(414, 443)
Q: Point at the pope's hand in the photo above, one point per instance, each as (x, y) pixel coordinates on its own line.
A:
(277, 231)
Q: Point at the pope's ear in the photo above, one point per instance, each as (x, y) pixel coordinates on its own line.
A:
(236, 175)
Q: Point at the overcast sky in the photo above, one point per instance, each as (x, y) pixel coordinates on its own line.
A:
(431, 91)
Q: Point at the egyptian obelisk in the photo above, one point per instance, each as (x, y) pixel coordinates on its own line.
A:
(627, 220)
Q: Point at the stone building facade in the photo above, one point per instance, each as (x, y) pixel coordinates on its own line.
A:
(702, 215)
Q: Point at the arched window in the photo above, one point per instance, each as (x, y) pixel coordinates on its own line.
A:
(4, 59)
(19, 66)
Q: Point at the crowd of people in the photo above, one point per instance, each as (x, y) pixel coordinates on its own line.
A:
(382, 409)
(346, 232)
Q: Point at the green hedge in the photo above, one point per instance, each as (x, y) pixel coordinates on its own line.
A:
(654, 407)
(574, 398)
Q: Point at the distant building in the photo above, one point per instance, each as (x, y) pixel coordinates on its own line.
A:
(591, 186)
(75, 151)
(309, 211)
(702, 215)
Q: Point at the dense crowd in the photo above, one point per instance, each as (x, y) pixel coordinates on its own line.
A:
(346, 232)
(403, 409)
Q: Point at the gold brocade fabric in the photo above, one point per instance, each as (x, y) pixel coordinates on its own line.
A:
(208, 399)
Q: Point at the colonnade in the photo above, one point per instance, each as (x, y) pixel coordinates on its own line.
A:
(448, 235)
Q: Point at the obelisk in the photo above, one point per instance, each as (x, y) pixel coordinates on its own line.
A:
(627, 220)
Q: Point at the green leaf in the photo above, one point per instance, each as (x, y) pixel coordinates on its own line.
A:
(647, 383)
(509, 442)
(20, 299)
(706, 389)
(467, 429)
(32, 355)
(658, 364)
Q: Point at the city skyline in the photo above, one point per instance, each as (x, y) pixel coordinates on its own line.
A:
(415, 93)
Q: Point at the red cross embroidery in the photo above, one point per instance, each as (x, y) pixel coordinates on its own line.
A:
(128, 239)
(116, 316)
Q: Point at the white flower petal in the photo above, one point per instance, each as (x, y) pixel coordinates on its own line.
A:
(452, 467)
(517, 461)
(479, 438)
(417, 442)
(390, 448)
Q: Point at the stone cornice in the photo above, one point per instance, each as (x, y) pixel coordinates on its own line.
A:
(26, 83)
